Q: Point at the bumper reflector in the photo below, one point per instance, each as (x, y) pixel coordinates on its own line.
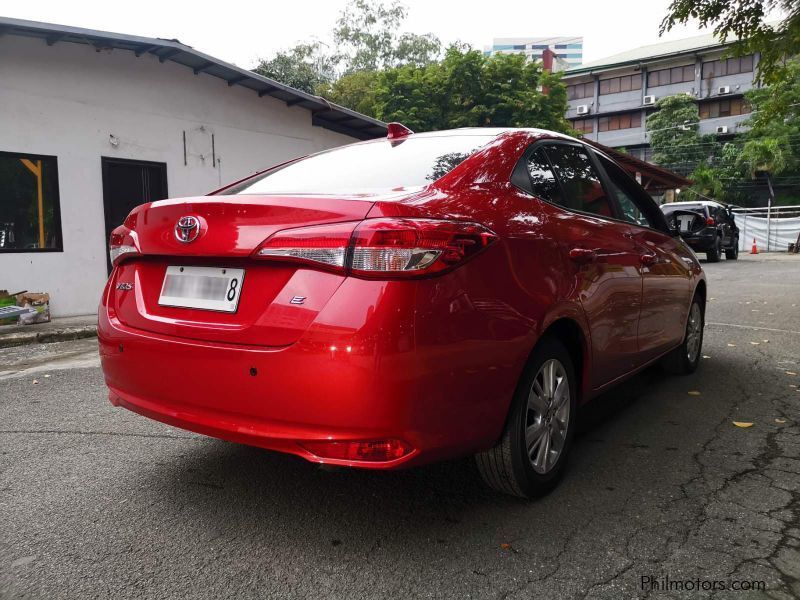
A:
(373, 450)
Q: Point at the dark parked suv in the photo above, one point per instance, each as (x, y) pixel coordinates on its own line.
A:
(706, 226)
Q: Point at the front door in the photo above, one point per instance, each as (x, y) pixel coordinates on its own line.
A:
(665, 266)
(126, 185)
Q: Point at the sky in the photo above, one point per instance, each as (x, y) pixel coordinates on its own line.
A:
(240, 32)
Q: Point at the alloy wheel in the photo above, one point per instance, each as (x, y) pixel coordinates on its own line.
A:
(694, 331)
(547, 416)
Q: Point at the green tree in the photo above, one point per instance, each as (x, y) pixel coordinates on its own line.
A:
(744, 20)
(367, 40)
(353, 90)
(304, 67)
(468, 89)
(674, 133)
(715, 175)
(768, 150)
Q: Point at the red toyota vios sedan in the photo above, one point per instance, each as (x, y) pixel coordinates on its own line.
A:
(402, 300)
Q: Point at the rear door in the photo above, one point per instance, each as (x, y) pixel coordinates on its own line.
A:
(666, 266)
(605, 262)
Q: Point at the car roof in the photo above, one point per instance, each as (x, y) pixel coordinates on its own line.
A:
(490, 132)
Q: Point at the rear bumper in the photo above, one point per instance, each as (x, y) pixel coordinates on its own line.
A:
(257, 397)
(702, 240)
(366, 383)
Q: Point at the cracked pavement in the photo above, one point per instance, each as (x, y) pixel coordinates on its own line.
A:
(97, 502)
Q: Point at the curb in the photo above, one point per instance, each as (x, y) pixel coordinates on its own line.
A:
(47, 337)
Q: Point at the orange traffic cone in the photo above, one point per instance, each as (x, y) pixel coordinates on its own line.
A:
(755, 248)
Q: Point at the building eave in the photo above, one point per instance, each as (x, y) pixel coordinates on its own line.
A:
(325, 114)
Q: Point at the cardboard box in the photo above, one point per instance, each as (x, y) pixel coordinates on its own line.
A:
(40, 302)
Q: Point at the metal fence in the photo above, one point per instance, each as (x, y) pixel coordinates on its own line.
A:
(773, 229)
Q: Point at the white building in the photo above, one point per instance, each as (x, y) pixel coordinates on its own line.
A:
(567, 49)
(93, 123)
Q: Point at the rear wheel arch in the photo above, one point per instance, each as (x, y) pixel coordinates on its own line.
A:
(571, 334)
(701, 290)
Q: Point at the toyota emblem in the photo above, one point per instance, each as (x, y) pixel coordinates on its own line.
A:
(187, 229)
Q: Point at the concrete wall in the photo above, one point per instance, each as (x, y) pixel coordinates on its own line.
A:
(66, 100)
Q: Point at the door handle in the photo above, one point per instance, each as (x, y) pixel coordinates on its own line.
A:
(582, 256)
(648, 259)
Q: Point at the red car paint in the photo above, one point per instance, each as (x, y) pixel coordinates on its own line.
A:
(407, 369)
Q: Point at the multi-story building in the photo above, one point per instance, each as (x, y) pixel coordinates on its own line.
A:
(568, 49)
(609, 99)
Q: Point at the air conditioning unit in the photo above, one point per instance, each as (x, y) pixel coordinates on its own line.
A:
(583, 109)
(722, 129)
(648, 100)
(724, 89)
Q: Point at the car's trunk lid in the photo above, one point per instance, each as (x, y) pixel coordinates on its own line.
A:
(687, 221)
(278, 300)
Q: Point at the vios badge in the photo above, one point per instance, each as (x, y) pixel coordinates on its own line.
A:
(187, 229)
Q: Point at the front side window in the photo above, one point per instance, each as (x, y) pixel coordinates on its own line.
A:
(29, 204)
(579, 179)
(381, 165)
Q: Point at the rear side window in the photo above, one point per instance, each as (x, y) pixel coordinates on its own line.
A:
(579, 180)
(543, 181)
(382, 165)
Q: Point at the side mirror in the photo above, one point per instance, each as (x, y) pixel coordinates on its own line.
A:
(675, 232)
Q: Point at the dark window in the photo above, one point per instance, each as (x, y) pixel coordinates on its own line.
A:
(583, 125)
(561, 46)
(29, 204)
(540, 46)
(580, 90)
(377, 165)
(519, 46)
(730, 66)
(543, 182)
(624, 121)
(620, 188)
(724, 108)
(580, 182)
(669, 76)
(625, 83)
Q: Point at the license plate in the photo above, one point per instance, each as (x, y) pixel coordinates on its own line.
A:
(206, 288)
(685, 222)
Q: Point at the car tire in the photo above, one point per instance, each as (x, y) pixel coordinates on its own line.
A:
(733, 252)
(686, 357)
(541, 423)
(713, 253)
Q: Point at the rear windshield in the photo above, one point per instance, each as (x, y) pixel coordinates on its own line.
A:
(382, 165)
(668, 209)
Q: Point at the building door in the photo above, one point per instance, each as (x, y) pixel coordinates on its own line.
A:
(127, 184)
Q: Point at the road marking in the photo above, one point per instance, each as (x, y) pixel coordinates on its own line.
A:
(753, 328)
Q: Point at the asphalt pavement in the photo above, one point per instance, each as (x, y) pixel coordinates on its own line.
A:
(97, 502)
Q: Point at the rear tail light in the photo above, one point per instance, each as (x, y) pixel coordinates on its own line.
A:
(371, 451)
(319, 244)
(710, 221)
(122, 244)
(381, 247)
